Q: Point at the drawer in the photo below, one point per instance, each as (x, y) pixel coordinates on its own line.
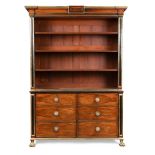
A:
(55, 130)
(105, 99)
(56, 99)
(54, 113)
(98, 129)
(97, 113)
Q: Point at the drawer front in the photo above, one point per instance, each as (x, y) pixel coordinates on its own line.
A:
(97, 129)
(98, 113)
(106, 99)
(54, 113)
(55, 130)
(56, 99)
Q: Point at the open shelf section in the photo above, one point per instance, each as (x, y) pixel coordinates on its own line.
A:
(69, 25)
(76, 80)
(76, 62)
(76, 53)
(76, 33)
(76, 43)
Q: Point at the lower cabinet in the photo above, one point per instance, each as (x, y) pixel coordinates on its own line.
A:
(80, 115)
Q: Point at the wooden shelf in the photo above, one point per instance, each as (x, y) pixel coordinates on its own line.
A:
(105, 90)
(108, 51)
(76, 33)
(76, 49)
(76, 70)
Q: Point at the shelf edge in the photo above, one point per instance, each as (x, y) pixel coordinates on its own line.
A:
(75, 90)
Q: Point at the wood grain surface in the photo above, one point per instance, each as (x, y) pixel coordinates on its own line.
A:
(106, 99)
(63, 99)
(104, 113)
(46, 113)
(66, 130)
(88, 129)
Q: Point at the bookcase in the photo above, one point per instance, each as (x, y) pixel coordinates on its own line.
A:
(76, 82)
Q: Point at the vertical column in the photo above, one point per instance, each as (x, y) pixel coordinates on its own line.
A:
(32, 115)
(32, 54)
(32, 60)
(120, 52)
(121, 115)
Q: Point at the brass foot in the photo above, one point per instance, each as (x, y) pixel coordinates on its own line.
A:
(121, 143)
(32, 144)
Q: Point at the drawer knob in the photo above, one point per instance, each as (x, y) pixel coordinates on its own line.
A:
(56, 128)
(98, 129)
(97, 99)
(56, 99)
(56, 113)
(97, 113)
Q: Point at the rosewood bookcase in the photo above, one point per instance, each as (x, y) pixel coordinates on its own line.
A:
(76, 79)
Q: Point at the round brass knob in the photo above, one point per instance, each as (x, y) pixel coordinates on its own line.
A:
(56, 113)
(97, 99)
(97, 113)
(98, 129)
(56, 99)
(56, 128)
